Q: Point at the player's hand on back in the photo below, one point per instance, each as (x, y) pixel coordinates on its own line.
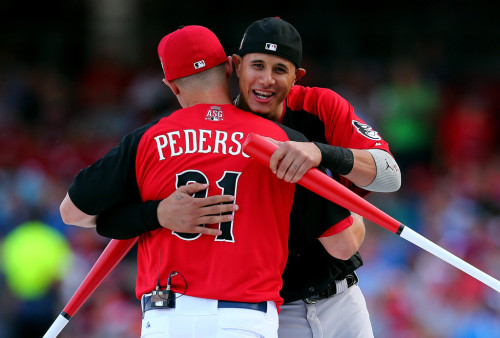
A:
(182, 212)
(293, 159)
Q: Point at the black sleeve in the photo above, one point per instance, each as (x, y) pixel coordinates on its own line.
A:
(109, 181)
(108, 188)
(128, 220)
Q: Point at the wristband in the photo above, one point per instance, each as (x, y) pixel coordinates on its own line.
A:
(339, 160)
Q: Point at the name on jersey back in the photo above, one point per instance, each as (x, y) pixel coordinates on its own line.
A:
(202, 141)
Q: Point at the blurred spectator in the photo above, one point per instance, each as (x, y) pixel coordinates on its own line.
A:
(468, 129)
(406, 109)
(147, 97)
(34, 258)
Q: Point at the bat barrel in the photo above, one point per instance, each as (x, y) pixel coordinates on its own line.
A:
(261, 149)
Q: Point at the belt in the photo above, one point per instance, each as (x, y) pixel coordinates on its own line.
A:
(221, 304)
(334, 288)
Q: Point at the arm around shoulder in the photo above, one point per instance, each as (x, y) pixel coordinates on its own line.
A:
(345, 243)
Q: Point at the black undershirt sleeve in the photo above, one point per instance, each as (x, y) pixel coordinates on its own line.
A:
(111, 180)
(108, 188)
(128, 220)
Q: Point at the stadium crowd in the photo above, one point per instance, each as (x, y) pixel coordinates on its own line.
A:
(443, 130)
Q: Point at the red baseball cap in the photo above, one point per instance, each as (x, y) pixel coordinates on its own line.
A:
(189, 50)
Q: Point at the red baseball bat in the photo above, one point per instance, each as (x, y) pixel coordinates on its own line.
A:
(110, 257)
(261, 149)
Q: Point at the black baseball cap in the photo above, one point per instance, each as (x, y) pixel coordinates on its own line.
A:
(272, 36)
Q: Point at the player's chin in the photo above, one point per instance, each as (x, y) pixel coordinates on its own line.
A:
(262, 113)
(262, 108)
(259, 111)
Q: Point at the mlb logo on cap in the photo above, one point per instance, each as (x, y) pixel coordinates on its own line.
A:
(271, 46)
(199, 64)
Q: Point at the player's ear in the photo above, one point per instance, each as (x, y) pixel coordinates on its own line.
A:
(229, 67)
(173, 86)
(237, 64)
(299, 72)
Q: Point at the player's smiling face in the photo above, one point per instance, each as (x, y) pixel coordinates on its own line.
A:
(265, 81)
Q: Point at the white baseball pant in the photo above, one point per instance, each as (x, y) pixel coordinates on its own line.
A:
(342, 315)
(199, 317)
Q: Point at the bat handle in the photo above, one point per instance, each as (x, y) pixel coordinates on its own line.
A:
(450, 258)
(56, 327)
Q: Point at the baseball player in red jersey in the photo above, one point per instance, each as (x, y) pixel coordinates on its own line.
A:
(321, 295)
(222, 285)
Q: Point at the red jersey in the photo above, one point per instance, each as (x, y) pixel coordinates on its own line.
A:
(245, 262)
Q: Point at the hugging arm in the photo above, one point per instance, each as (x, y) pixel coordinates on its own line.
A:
(344, 244)
(371, 169)
(179, 212)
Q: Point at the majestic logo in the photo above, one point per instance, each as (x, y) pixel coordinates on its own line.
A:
(271, 46)
(215, 114)
(366, 130)
(199, 64)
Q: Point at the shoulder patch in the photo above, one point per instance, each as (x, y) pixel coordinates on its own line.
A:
(366, 130)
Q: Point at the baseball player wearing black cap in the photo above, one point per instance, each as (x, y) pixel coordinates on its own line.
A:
(322, 298)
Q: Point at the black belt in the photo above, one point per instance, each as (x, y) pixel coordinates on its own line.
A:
(221, 304)
(262, 306)
(331, 289)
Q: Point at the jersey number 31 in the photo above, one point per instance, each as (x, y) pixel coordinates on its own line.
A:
(227, 183)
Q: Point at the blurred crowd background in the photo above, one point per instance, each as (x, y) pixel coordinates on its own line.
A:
(75, 76)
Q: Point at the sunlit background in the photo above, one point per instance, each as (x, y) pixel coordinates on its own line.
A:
(75, 76)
